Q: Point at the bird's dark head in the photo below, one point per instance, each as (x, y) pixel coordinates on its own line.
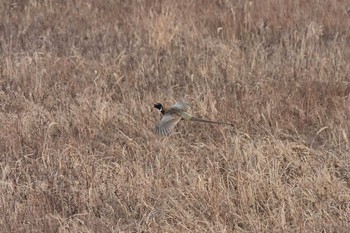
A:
(159, 107)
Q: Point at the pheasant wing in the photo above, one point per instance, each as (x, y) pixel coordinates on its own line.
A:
(182, 106)
(167, 124)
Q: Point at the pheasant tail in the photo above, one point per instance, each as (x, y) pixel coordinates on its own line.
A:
(212, 122)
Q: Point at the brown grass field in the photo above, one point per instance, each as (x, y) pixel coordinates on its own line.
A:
(78, 80)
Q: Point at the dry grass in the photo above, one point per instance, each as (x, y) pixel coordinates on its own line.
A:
(77, 87)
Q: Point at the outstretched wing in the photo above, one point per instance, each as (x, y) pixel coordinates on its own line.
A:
(182, 106)
(167, 124)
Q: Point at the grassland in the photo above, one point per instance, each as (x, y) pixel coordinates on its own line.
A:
(78, 80)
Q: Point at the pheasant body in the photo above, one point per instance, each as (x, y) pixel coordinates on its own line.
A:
(173, 115)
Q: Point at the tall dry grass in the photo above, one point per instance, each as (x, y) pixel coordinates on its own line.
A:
(78, 83)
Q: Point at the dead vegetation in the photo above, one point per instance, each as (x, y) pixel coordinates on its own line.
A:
(77, 87)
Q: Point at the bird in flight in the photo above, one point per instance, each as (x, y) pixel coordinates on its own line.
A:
(173, 115)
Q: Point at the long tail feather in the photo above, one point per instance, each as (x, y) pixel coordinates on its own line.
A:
(211, 122)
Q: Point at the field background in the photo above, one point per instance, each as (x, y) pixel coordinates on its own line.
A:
(78, 80)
